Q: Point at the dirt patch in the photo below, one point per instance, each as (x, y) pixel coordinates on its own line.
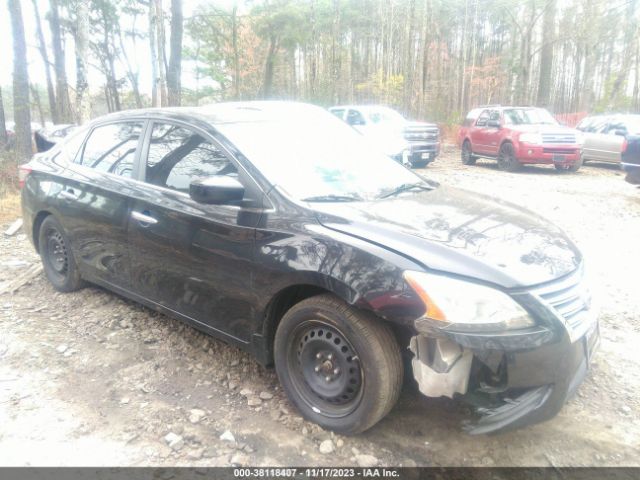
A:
(91, 379)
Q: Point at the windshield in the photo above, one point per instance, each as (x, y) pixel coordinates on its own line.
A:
(384, 115)
(313, 156)
(528, 116)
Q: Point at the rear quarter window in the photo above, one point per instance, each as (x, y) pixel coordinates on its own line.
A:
(111, 148)
(471, 117)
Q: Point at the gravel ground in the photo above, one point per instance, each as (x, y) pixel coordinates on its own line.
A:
(89, 378)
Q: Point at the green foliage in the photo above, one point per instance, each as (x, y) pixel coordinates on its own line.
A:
(381, 88)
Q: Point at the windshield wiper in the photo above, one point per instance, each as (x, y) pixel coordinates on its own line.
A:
(333, 198)
(405, 187)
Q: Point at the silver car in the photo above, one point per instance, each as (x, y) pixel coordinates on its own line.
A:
(605, 136)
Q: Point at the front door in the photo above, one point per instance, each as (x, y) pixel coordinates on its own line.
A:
(192, 258)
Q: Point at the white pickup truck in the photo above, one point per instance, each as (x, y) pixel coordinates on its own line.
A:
(412, 143)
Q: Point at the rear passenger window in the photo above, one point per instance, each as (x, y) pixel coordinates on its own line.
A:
(177, 156)
(111, 148)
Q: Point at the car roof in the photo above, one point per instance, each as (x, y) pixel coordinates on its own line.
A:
(223, 113)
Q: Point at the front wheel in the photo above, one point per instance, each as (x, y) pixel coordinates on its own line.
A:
(340, 367)
(57, 259)
(507, 160)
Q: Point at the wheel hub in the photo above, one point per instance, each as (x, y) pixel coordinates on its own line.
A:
(328, 365)
(57, 252)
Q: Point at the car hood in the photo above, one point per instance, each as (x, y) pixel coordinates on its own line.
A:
(542, 128)
(460, 232)
(421, 125)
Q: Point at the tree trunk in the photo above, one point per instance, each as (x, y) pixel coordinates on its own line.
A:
(131, 74)
(546, 54)
(3, 125)
(175, 58)
(83, 100)
(236, 53)
(153, 21)
(42, 47)
(630, 34)
(21, 105)
(62, 88)
(267, 84)
(162, 78)
(38, 104)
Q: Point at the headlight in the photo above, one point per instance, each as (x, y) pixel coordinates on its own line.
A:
(533, 138)
(464, 306)
(580, 138)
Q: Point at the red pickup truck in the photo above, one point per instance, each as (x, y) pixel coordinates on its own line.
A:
(519, 135)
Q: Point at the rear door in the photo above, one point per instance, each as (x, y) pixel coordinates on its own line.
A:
(95, 200)
(192, 258)
(595, 139)
(478, 133)
(492, 134)
(613, 141)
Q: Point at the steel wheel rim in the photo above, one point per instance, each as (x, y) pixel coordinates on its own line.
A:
(325, 369)
(57, 256)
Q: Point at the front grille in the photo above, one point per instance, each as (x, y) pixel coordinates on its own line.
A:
(570, 300)
(558, 138)
(560, 150)
(421, 135)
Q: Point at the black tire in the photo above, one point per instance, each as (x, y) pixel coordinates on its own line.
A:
(507, 160)
(57, 258)
(570, 168)
(467, 154)
(340, 367)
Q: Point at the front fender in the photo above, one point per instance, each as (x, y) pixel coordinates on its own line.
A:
(365, 275)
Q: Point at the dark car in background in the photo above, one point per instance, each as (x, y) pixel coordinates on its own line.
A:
(415, 144)
(276, 227)
(516, 136)
(47, 137)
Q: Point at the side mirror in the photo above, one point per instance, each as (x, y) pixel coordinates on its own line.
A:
(217, 190)
(493, 123)
(621, 133)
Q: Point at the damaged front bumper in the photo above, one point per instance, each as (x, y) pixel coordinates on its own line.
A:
(514, 378)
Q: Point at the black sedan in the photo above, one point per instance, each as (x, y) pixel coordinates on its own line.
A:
(276, 227)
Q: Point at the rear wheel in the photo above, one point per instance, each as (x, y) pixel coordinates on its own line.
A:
(467, 154)
(507, 160)
(57, 259)
(341, 367)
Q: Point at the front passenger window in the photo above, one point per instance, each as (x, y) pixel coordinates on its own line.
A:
(177, 156)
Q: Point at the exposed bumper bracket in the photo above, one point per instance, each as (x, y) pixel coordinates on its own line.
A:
(440, 366)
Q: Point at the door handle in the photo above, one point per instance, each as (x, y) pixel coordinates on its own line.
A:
(144, 217)
(69, 194)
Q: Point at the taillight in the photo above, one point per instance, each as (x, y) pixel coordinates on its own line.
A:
(625, 144)
(23, 173)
